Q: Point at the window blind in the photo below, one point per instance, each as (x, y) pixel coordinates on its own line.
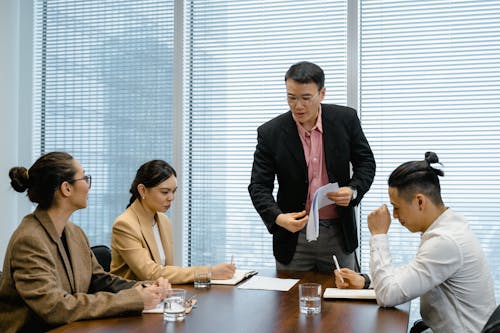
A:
(236, 55)
(103, 92)
(429, 82)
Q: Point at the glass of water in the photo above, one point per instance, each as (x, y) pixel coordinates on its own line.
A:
(310, 298)
(174, 308)
(202, 277)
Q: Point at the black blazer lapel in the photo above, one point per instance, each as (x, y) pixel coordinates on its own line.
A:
(294, 144)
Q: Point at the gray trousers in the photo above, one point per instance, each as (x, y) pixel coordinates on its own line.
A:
(317, 255)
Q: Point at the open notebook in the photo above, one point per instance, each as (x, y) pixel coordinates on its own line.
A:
(238, 276)
(349, 293)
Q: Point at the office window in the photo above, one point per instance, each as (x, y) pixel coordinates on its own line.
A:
(429, 82)
(236, 56)
(103, 92)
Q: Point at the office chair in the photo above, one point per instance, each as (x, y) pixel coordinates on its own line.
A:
(103, 256)
(493, 324)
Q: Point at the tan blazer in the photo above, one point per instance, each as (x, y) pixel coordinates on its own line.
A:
(41, 287)
(134, 253)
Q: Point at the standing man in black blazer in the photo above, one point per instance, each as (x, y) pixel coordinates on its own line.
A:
(305, 148)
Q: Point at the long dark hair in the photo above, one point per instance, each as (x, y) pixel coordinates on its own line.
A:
(150, 174)
(44, 177)
(418, 176)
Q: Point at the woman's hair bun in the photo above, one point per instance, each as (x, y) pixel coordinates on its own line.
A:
(19, 178)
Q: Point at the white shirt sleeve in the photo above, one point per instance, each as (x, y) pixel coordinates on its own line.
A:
(437, 259)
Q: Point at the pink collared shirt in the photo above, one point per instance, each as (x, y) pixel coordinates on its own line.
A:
(316, 165)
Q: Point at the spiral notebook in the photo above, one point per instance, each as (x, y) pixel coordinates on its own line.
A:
(239, 275)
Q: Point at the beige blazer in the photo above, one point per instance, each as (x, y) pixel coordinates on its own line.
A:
(41, 287)
(134, 252)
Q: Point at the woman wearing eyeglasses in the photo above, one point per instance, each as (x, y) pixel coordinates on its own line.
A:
(141, 242)
(50, 275)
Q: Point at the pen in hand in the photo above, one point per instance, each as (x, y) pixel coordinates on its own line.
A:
(338, 267)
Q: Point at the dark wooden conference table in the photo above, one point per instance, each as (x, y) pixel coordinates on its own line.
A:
(225, 308)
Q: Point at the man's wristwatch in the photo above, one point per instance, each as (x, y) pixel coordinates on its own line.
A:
(367, 280)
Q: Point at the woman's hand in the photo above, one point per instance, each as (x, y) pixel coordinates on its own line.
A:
(223, 271)
(352, 280)
(164, 286)
(152, 295)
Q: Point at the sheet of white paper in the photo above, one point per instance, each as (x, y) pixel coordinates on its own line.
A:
(321, 194)
(349, 293)
(158, 309)
(268, 283)
(239, 275)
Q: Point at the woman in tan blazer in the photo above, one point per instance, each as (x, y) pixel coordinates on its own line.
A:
(50, 275)
(141, 242)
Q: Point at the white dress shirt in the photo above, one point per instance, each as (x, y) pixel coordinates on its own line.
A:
(450, 274)
(161, 250)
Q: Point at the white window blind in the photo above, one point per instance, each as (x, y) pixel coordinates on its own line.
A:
(236, 55)
(103, 92)
(430, 82)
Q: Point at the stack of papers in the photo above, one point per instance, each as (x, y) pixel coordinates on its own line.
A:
(238, 276)
(349, 293)
(319, 200)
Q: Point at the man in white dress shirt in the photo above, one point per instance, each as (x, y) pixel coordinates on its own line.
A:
(450, 272)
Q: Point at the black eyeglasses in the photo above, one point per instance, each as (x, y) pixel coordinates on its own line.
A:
(87, 178)
(306, 100)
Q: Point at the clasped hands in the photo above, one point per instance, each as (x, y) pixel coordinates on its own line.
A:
(153, 294)
(296, 221)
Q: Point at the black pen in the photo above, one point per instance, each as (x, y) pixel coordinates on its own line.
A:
(250, 274)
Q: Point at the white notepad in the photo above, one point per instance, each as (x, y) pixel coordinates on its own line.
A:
(157, 309)
(239, 275)
(268, 283)
(349, 293)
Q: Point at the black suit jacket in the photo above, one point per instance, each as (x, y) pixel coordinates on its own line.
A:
(279, 153)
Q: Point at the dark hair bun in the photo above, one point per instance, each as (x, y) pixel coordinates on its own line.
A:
(431, 157)
(433, 161)
(19, 178)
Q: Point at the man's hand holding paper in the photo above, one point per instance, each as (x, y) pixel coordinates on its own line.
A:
(342, 196)
(320, 200)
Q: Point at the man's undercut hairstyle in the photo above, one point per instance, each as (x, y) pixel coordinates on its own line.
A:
(415, 177)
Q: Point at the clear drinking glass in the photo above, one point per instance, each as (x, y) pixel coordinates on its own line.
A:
(310, 298)
(173, 305)
(202, 277)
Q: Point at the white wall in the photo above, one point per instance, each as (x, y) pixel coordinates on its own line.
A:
(15, 109)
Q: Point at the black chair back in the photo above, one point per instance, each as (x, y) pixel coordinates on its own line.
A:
(103, 256)
(493, 324)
